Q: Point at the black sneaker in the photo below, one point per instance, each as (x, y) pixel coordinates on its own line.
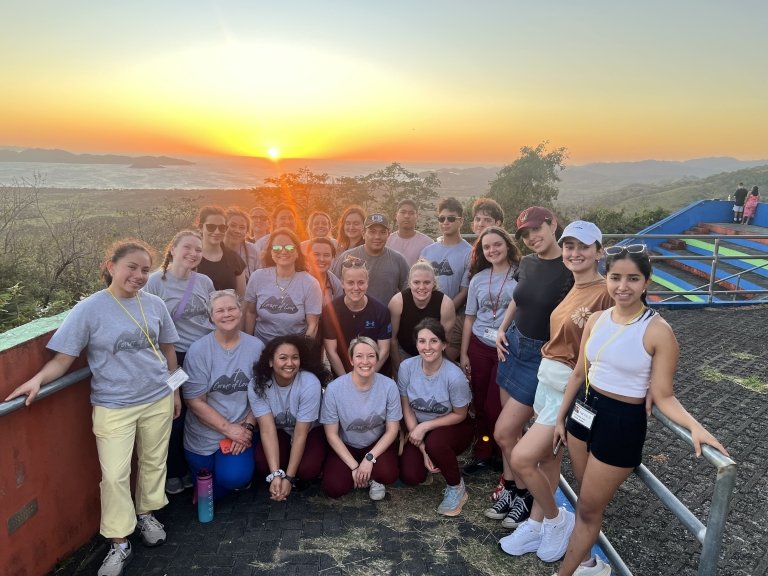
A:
(501, 507)
(519, 511)
(477, 466)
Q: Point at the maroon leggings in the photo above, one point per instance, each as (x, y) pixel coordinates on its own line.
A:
(311, 463)
(443, 445)
(337, 477)
(486, 398)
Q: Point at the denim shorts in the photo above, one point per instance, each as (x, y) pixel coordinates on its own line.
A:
(553, 376)
(618, 431)
(518, 374)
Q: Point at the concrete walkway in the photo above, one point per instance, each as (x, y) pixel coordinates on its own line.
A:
(722, 352)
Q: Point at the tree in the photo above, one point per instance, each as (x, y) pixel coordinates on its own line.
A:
(617, 222)
(529, 181)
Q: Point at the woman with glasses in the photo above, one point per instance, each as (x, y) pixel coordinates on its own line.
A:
(235, 238)
(349, 232)
(185, 293)
(283, 298)
(547, 530)
(218, 432)
(435, 396)
(361, 414)
(285, 399)
(422, 299)
(627, 352)
(223, 266)
(260, 224)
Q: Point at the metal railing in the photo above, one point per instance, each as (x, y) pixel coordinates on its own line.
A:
(45, 391)
(709, 290)
(709, 536)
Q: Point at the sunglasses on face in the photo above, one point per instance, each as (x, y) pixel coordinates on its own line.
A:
(629, 249)
(353, 262)
(450, 219)
(287, 247)
(214, 227)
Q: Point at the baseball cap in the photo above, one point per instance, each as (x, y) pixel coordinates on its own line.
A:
(376, 219)
(585, 232)
(532, 217)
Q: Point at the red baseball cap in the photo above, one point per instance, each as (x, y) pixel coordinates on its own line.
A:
(532, 217)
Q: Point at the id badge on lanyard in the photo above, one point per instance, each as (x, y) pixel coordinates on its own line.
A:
(583, 414)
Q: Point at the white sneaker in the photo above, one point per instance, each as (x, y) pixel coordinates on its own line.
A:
(117, 559)
(152, 532)
(599, 569)
(376, 491)
(554, 537)
(522, 541)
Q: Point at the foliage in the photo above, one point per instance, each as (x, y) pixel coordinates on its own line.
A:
(617, 221)
(529, 181)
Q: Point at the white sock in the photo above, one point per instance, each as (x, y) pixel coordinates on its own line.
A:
(557, 520)
(535, 525)
(125, 545)
(590, 563)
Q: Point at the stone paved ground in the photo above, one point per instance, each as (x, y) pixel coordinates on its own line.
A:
(722, 350)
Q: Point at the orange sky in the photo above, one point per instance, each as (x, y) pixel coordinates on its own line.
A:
(427, 81)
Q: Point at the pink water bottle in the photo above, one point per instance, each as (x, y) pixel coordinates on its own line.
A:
(204, 488)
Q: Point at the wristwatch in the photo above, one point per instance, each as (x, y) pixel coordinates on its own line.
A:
(370, 458)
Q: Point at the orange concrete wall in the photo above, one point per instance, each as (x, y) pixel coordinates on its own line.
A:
(47, 453)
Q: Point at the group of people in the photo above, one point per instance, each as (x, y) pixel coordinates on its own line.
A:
(745, 204)
(370, 357)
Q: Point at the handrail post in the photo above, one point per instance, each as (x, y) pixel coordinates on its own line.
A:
(718, 513)
(713, 271)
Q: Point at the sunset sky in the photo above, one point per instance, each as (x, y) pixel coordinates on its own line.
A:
(416, 80)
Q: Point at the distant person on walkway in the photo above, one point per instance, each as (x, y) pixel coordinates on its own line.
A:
(422, 299)
(486, 212)
(750, 205)
(435, 396)
(738, 202)
(218, 433)
(285, 399)
(450, 258)
(260, 224)
(349, 231)
(185, 293)
(128, 336)
(223, 266)
(354, 314)
(361, 413)
(235, 238)
(626, 351)
(387, 268)
(406, 239)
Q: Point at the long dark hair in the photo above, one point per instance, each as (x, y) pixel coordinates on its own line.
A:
(262, 371)
(479, 261)
(641, 259)
(300, 264)
(121, 248)
(433, 326)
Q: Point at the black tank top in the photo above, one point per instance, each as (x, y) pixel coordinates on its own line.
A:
(412, 315)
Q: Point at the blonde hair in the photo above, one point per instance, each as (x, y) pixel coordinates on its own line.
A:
(167, 256)
(422, 265)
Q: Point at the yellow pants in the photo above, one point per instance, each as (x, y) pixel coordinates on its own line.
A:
(148, 426)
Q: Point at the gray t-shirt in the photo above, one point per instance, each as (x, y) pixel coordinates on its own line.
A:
(193, 323)
(298, 402)
(487, 300)
(282, 312)
(223, 376)
(126, 369)
(451, 264)
(436, 395)
(387, 272)
(362, 416)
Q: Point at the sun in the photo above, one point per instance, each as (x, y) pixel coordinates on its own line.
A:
(274, 153)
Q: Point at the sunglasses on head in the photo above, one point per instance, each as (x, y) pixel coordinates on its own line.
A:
(214, 227)
(629, 249)
(353, 262)
(286, 247)
(450, 219)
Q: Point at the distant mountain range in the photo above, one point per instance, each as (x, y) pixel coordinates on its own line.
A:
(56, 156)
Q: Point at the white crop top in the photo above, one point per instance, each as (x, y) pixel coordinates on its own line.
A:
(619, 362)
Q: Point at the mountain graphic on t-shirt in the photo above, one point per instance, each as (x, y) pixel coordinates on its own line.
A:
(488, 302)
(133, 341)
(285, 420)
(442, 268)
(227, 385)
(192, 310)
(430, 406)
(364, 425)
(275, 305)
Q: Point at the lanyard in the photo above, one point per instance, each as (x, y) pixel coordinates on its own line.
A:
(495, 307)
(611, 339)
(145, 329)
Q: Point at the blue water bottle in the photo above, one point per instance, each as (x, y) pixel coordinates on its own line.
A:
(204, 495)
